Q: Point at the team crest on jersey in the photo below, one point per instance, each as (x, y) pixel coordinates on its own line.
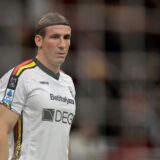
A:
(13, 82)
(71, 90)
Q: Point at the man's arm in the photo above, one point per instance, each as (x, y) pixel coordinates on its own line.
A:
(8, 120)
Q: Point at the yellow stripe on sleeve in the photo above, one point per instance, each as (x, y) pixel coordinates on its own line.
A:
(30, 65)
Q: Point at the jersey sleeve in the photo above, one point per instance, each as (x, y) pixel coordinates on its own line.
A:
(13, 91)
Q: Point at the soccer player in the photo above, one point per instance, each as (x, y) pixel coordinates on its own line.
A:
(37, 100)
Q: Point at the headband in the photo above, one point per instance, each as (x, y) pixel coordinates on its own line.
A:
(51, 24)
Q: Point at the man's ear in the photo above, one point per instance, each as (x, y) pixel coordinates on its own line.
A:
(38, 40)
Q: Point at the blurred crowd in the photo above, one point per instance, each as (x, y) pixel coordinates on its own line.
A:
(114, 61)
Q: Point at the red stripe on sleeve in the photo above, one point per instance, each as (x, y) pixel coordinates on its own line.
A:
(20, 65)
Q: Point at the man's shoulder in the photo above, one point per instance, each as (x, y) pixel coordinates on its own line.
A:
(16, 72)
(67, 80)
(65, 75)
(25, 65)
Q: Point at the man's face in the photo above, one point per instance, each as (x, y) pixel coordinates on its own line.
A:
(55, 44)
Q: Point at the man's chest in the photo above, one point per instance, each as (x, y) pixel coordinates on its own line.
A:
(51, 101)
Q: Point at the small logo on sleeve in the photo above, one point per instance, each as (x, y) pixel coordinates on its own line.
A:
(13, 82)
(44, 82)
(8, 97)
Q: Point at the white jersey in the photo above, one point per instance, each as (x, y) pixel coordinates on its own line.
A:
(46, 104)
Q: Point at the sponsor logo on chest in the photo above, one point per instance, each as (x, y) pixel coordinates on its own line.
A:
(60, 98)
(53, 115)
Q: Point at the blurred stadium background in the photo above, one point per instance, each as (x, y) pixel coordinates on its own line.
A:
(115, 63)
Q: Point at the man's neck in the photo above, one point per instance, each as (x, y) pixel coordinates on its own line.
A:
(44, 61)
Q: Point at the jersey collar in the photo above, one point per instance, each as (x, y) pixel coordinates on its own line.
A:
(45, 69)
